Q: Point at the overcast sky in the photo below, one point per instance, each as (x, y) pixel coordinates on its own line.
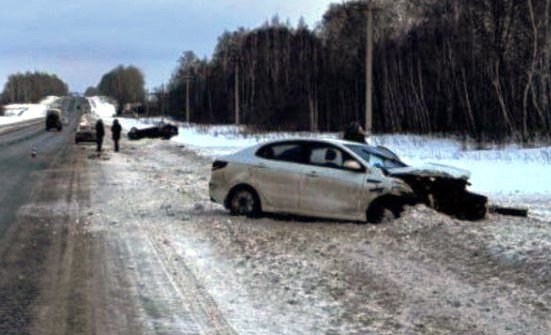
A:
(80, 40)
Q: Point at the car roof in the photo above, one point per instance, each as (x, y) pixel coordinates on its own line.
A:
(373, 149)
(322, 140)
(305, 139)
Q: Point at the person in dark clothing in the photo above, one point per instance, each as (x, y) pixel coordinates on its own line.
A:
(354, 132)
(100, 132)
(116, 133)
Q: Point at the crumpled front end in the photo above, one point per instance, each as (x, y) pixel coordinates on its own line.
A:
(444, 188)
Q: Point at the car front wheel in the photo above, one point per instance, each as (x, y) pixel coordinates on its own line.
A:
(133, 133)
(384, 210)
(244, 201)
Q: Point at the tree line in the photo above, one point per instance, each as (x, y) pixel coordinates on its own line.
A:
(125, 84)
(31, 87)
(478, 68)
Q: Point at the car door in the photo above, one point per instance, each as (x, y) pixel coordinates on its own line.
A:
(278, 175)
(330, 189)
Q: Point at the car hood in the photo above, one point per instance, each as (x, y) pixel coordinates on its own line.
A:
(431, 170)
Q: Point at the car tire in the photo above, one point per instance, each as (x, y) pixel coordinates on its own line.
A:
(379, 213)
(244, 201)
(133, 133)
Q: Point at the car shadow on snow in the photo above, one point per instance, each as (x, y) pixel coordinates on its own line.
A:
(277, 217)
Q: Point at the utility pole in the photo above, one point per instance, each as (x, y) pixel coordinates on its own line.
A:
(162, 101)
(146, 102)
(236, 102)
(369, 73)
(187, 79)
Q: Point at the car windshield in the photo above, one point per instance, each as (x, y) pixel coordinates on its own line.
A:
(375, 157)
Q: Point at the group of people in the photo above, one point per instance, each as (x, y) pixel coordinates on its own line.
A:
(115, 134)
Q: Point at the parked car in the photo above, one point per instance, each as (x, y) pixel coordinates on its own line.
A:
(53, 119)
(160, 130)
(335, 179)
(86, 129)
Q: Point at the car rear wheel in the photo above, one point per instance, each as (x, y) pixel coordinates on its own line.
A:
(244, 201)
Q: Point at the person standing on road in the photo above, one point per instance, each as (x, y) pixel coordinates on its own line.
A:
(116, 133)
(100, 132)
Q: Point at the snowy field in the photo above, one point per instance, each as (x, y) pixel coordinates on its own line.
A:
(15, 113)
(503, 171)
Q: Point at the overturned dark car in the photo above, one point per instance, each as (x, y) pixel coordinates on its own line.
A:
(161, 130)
(439, 186)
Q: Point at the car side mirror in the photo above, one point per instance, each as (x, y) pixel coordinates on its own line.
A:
(353, 165)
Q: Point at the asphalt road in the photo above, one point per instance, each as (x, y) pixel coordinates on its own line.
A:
(22, 236)
(17, 164)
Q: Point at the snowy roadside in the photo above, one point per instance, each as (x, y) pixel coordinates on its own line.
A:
(424, 273)
(17, 113)
(500, 173)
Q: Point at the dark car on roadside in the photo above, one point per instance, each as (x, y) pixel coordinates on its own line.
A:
(53, 119)
(161, 130)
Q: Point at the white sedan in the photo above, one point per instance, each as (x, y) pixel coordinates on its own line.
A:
(310, 177)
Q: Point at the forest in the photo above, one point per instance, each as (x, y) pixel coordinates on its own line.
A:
(32, 87)
(473, 68)
(476, 69)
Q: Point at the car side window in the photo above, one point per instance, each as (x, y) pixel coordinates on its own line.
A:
(288, 152)
(326, 156)
(266, 152)
(347, 157)
(331, 157)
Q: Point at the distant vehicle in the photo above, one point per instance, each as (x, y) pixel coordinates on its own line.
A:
(54, 119)
(161, 130)
(86, 129)
(335, 179)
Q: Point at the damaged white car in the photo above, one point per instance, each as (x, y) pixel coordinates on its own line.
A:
(335, 179)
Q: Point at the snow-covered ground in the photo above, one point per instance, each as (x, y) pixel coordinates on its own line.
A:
(502, 171)
(422, 273)
(15, 113)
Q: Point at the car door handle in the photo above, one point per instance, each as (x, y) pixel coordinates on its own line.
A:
(260, 166)
(312, 174)
(374, 181)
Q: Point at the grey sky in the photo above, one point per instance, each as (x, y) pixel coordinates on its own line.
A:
(80, 40)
